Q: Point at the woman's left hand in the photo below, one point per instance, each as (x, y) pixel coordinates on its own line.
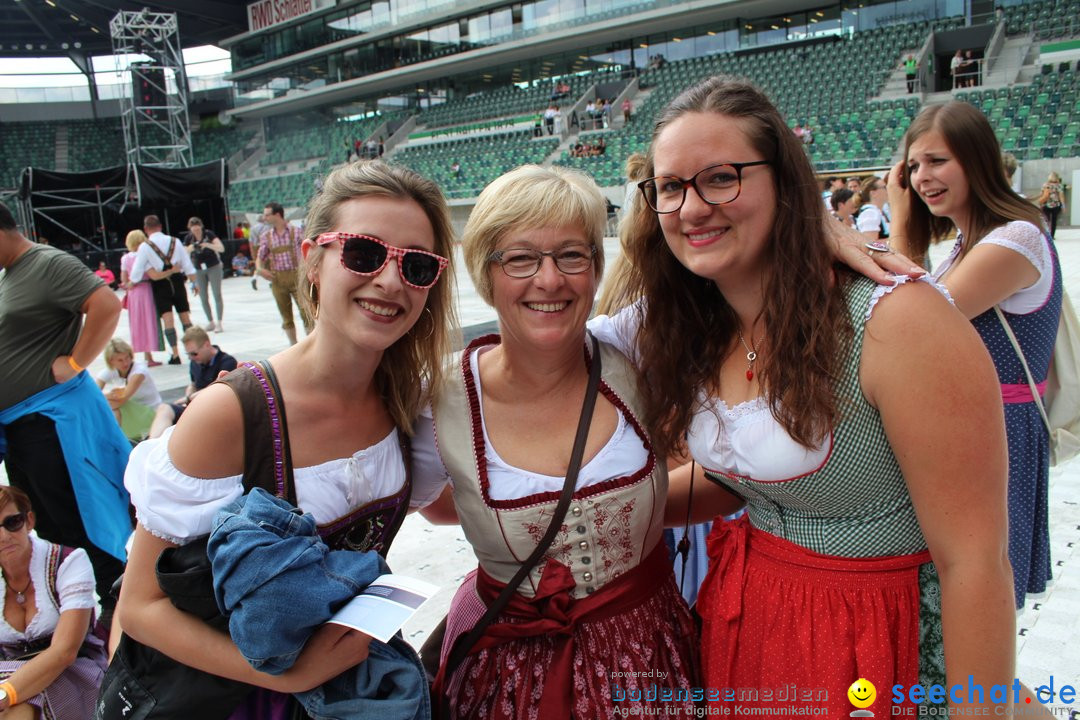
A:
(849, 247)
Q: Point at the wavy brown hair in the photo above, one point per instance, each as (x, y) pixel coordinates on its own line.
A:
(972, 142)
(411, 368)
(689, 328)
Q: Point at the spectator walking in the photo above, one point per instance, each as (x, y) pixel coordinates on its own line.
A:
(627, 110)
(205, 248)
(207, 362)
(1052, 200)
(549, 119)
(163, 259)
(278, 260)
(911, 71)
(143, 323)
(63, 448)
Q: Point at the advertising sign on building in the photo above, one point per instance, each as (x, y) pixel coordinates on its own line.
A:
(268, 13)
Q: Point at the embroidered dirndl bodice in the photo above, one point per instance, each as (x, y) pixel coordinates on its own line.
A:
(268, 464)
(610, 527)
(856, 504)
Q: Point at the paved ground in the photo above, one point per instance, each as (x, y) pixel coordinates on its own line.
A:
(1048, 641)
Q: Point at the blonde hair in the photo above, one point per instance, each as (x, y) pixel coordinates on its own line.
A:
(620, 286)
(195, 334)
(134, 239)
(532, 196)
(410, 369)
(117, 346)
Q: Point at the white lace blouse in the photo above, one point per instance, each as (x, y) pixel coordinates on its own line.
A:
(74, 586)
(178, 508)
(1030, 241)
(624, 454)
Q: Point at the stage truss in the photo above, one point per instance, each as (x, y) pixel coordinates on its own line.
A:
(157, 131)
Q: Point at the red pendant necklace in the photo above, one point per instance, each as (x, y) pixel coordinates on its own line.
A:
(751, 355)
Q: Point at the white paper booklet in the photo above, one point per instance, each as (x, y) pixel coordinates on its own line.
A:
(387, 604)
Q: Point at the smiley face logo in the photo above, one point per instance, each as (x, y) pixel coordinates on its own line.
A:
(862, 693)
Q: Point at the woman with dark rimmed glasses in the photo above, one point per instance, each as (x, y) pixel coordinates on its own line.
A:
(867, 447)
(51, 663)
(377, 281)
(598, 625)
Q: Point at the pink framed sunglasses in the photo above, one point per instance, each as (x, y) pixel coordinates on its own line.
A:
(367, 256)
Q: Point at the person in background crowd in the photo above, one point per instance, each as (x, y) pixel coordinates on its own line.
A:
(832, 184)
(105, 274)
(64, 449)
(853, 184)
(844, 204)
(129, 389)
(278, 261)
(144, 327)
(1052, 200)
(241, 264)
(164, 260)
(205, 248)
(871, 221)
(207, 362)
(951, 179)
(51, 662)
(911, 72)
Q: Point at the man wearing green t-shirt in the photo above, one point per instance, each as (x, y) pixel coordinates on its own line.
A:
(55, 318)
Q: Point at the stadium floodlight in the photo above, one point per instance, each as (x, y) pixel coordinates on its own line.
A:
(154, 106)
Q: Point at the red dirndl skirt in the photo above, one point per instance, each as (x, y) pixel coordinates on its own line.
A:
(801, 626)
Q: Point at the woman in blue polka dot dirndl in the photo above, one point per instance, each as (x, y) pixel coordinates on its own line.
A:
(951, 176)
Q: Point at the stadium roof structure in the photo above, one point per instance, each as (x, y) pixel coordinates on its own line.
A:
(80, 28)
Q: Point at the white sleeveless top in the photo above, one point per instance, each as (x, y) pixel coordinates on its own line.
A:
(1030, 241)
(179, 508)
(745, 439)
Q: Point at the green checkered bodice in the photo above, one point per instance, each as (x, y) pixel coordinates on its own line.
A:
(857, 503)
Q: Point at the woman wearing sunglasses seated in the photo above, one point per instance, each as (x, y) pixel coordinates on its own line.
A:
(346, 397)
(604, 597)
(50, 662)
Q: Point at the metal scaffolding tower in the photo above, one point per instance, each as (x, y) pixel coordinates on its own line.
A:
(154, 108)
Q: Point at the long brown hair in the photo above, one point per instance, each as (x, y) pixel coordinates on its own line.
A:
(972, 142)
(411, 368)
(688, 327)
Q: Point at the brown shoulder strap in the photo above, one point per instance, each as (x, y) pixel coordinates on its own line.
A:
(267, 461)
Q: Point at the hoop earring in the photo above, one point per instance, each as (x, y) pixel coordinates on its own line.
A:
(314, 301)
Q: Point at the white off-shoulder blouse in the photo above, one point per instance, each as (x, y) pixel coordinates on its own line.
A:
(179, 508)
(623, 455)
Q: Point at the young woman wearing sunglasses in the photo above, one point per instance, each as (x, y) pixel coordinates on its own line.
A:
(378, 243)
